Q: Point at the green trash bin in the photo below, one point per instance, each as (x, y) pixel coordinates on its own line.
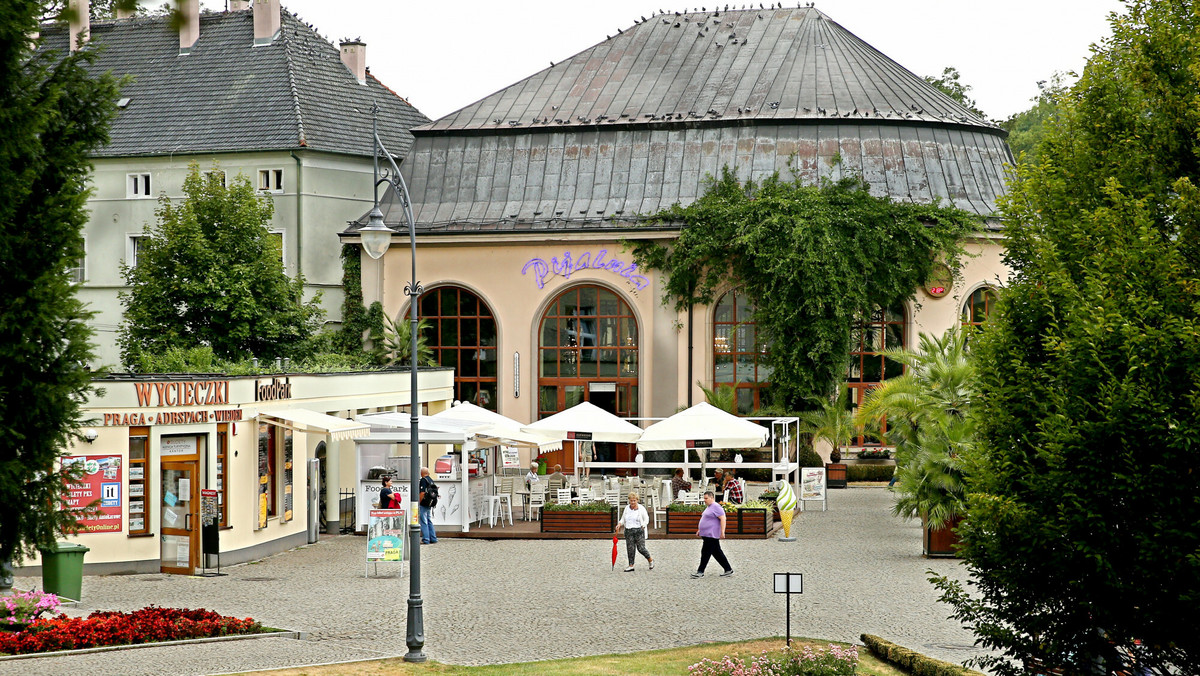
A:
(62, 570)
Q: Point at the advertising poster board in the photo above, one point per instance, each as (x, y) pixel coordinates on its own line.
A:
(812, 485)
(509, 457)
(101, 486)
(385, 536)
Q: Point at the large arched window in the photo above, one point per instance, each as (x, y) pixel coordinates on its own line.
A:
(588, 351)
(979, 306)
(739, 357)
(884, 329)
(462, 334)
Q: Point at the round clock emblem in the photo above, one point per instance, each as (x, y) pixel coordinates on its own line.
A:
(940, 281)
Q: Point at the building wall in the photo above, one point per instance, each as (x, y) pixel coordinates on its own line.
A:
(340, 395)
(321, 193)
(493, 270)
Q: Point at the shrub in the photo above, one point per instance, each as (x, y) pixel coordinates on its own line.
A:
(809, 458)
(912, 661)
(874, 454)
(26, 607)
(807, 661)
(599, 506)
(870, 472)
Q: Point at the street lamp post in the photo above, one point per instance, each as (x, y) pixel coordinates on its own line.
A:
(376, 237)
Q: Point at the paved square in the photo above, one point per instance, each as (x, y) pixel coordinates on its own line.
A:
(508, 601)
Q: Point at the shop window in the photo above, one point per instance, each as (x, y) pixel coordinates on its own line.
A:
(265, 487)
(139, 485)
(461, 333)
(869, 366)
(979, 306)
(222, 474)
(739, 356)
(586, 337)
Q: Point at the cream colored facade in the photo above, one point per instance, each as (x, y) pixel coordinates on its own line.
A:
(243, 410)
(503, 273)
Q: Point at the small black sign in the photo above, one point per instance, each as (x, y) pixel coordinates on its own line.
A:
(700, 443)
(582, 436)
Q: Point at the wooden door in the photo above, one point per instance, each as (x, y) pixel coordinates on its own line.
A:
(179, 545)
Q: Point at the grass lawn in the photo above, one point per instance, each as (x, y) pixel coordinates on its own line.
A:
(673, 661)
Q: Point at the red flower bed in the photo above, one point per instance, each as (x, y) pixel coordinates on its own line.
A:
(105, 628)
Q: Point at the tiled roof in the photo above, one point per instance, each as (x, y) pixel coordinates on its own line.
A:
(638, 122)
(228, 95)
(756, 64)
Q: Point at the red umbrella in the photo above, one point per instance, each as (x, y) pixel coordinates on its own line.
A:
(614, 552)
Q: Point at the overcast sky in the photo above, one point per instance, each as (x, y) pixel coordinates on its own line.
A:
(442, 56)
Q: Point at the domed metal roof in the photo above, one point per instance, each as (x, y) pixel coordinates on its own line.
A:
(640, 121)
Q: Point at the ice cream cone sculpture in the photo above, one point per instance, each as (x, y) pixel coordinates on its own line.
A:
(786, 502)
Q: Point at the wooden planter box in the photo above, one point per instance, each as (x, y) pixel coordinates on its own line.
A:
(579, 522)
(741, 522)
(940, 543)
(835, 475)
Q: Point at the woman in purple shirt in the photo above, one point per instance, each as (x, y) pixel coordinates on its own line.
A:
(711, 530)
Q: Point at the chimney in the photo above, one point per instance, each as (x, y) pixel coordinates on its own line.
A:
(239, 5)
(189, 30)
(80, 23)
(354, 55)
(266, 21)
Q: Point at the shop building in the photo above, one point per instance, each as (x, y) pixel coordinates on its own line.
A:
(165, 453)
(524, 200)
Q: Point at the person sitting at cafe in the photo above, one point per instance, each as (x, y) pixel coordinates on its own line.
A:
(532, 477)
(557, 474)
(718, 482)
(678, 483)
(733, 488)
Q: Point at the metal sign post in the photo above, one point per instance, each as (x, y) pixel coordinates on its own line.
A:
(789, 583)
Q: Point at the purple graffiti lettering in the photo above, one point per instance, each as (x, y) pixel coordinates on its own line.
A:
(599, 263)
(564, 267)
(567, 266)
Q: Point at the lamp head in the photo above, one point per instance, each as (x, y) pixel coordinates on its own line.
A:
(375, 236)
(90, 434)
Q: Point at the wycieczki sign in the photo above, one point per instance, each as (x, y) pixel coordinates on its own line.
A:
(191, 393)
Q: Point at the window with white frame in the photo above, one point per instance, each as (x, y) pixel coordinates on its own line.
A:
(217, 175)
(135, 243)
(78, 272)
(270, 180)
(277, 239)
(137, 186)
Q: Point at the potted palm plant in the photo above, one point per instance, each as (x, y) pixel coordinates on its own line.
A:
(831, 421)
(930, 424)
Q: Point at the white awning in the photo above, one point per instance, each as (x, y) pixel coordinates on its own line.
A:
(587, 422)
(487, 427)
(304, 420)
(703, 426)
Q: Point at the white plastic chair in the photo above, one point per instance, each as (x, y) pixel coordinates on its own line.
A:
(563, 496)
(613, 497)
(499, 503)
(537, 499)
(689, 498)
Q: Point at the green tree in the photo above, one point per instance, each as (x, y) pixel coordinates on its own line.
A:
(1084, 490)
(832, 419)
(722, 396)
(951, 84)
(1026, 128)
(397, 341)
(812, 258)
(211, 274)
(53, 114)
(928, 421)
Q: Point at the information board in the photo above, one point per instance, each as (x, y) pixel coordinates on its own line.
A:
(210, 517)
(812, 485)
(101, 488)
(385, 535)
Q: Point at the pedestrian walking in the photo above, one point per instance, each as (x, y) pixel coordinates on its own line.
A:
(634, 520)
(712, 530)
(427, 500)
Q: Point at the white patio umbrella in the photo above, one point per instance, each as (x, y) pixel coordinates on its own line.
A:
(586, 422)
(703, 427)
(502, 428)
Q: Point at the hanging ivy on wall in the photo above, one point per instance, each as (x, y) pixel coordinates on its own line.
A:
(813, 259)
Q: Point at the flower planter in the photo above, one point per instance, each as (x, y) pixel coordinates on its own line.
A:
(567, 521)
(942, 542)
(835, 475)
(751, 521)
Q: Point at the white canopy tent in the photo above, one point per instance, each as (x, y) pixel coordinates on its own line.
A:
(586, 422)
(500, 430)
(703, 427)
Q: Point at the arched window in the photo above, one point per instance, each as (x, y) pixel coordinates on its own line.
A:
(884, 329)
(462, 334)
(739, 357)
(979, 306)
(588, 351)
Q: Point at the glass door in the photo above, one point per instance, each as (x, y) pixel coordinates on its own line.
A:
(179, 507)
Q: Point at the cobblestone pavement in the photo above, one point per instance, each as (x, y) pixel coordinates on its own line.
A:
(490, 602)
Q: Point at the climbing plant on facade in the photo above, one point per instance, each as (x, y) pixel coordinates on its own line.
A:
(813, 259)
